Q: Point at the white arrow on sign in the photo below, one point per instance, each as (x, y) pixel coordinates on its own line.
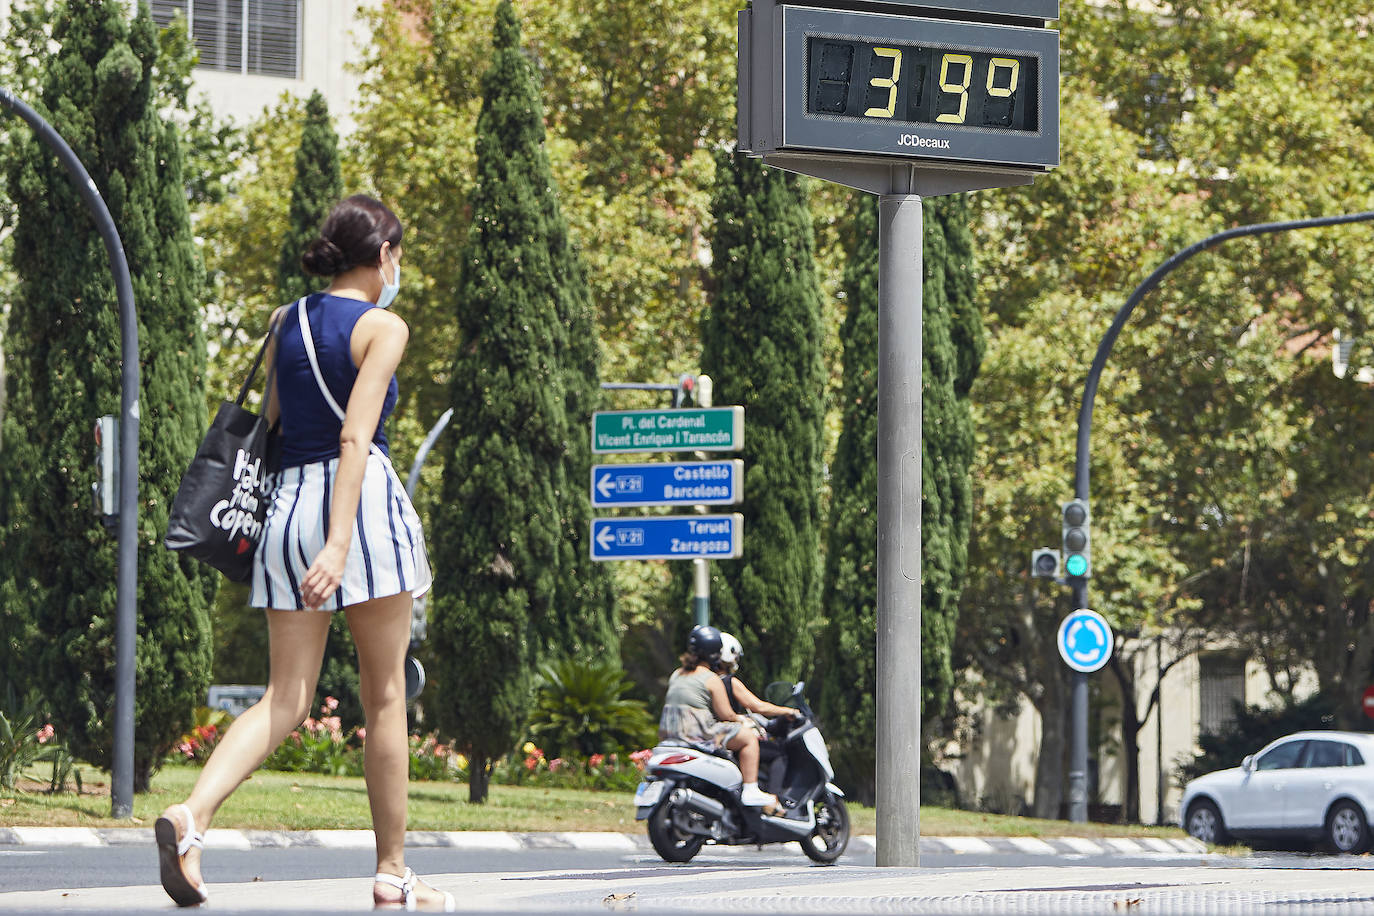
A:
(605, 538)
(604, 485)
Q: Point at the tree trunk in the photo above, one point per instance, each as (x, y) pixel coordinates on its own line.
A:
(1051, 766)
(479, 778)
(1130, 738)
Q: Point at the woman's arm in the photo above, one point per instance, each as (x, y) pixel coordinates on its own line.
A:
(720, 704)
(273, 411)
(754, 704)
(379, 339)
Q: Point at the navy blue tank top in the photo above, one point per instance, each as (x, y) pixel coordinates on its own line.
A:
(309, 427)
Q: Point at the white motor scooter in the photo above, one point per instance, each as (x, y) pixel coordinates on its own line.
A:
(691, 793)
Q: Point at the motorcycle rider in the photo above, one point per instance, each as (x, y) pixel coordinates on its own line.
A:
(742, 700)
(696, 710)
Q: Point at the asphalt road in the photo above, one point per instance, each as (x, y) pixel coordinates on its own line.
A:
(39, 868)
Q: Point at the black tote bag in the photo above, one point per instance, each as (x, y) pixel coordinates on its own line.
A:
(219, 508)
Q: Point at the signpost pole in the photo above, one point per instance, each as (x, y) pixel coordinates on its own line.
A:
(1078, 752)
(701, 567)
(899, 522)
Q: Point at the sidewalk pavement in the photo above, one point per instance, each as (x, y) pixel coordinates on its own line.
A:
(1193, 882)
(513, 842)
(739, 887)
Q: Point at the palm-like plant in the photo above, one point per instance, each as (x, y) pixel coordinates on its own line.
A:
(581, 709)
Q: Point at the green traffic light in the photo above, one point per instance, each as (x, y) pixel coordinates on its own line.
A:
(1076, 564)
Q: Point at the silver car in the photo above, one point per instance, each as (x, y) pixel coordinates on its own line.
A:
(1307, 786)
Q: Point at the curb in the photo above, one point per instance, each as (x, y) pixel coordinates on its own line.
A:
(503, 841)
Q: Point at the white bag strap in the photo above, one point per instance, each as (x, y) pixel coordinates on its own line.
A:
(315, 366)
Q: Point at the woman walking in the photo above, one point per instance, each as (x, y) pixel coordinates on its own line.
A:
(340, 535)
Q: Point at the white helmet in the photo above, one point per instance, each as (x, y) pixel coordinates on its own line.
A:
(730, 651)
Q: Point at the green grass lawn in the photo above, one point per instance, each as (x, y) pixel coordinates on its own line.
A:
(301, 801)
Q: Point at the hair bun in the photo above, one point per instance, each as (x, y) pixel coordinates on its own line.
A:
(324, 259)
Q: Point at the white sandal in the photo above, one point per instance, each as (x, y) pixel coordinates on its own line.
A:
(406, 885)
(171, 854)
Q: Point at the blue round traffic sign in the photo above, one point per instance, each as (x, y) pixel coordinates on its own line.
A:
(1085, 640)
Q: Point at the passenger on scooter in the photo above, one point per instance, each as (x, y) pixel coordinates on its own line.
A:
(742, 700)
(697, 710)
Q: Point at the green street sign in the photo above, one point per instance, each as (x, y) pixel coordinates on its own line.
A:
(695, 429)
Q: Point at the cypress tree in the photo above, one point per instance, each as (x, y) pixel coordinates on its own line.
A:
(761, 345)
(317, 188)
(499, 527)
(952, 348)
(586, 622)
(57, 563)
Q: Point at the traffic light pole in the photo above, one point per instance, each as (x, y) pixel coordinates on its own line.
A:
(1078, 759)
(122, 775)
(1078, 748)
(900, 273)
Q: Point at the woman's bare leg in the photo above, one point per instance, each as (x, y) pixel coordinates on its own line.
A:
(381, 631)
(745, 744)
(296, 646)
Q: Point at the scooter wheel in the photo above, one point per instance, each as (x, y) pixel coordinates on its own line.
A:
(672, 844)
(831, 836)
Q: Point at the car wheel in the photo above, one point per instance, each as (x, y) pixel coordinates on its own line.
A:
(1204, 822)
(1346, 829)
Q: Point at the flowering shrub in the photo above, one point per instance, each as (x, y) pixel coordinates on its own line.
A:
(24, 743)
(434, 760)
(607, 772)
(208, 725)
(320, 746)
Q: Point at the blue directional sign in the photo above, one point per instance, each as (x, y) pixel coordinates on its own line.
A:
(668, 537)
(685, 483)
(1085, 641)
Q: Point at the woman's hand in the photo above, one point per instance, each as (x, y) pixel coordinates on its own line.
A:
(323, 577)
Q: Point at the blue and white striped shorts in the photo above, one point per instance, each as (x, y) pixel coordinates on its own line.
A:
(386, 556)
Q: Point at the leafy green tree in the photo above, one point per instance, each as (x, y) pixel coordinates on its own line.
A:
(499, 527)
(761, 346)
(580, 708)
(952, 345)
(57, 563)
(1205, 417)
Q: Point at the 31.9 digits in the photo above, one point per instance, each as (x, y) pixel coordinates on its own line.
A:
(955, 87)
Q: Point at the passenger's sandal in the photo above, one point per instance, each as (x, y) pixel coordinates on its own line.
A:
(171, 854)
(406, 884)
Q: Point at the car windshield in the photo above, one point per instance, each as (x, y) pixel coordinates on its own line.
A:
(1283, 757)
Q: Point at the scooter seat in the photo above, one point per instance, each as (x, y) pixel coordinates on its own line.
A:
(702, 746)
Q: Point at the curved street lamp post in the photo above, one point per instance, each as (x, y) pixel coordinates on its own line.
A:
(1078, 758)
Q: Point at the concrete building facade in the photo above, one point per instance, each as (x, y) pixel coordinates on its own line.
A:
(995, 762)
(254, 51)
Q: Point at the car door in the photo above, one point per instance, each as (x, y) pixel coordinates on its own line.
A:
(1258, 802)
(1310, 788)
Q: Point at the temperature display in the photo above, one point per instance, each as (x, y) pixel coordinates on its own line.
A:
(900, 82)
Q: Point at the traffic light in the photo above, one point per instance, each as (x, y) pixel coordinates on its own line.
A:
(1077, 542)
(683, 394)
(1045, 563)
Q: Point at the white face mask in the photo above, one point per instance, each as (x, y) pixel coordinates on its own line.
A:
(389, 290)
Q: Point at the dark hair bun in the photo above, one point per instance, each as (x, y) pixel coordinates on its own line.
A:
(352, 235)
(324, 259)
